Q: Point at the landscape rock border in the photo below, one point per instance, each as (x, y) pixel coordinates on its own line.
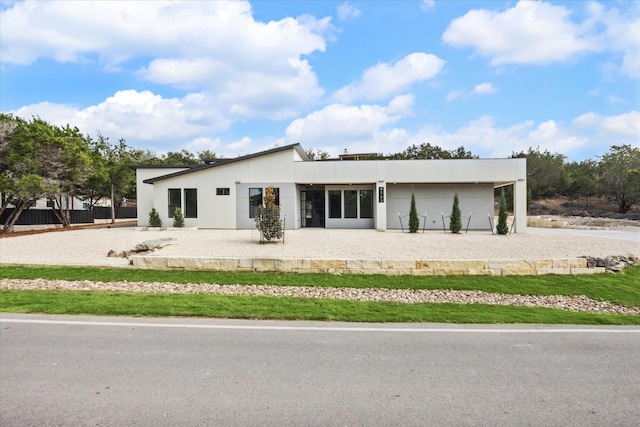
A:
(612, 264)
(579, 303)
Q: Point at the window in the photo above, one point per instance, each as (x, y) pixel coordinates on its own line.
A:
(276, 192)
(366, 203)
(335, 204)
(255, 200)
(175, 200)
(190, 203)
(222, 191)
(350, 203)
(51, 203)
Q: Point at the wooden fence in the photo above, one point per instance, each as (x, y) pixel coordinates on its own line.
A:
(78, 216)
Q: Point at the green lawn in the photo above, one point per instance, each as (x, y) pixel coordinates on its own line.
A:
(622, 288)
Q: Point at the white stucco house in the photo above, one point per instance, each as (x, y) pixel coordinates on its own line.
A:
(225, 193)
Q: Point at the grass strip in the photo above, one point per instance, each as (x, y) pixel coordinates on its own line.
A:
(620, 288)
(251, 307)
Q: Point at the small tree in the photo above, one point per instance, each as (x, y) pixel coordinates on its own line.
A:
(502, 227)
(178, 218)
(154, 218)
(456, 216)
(414, 221)
(268, 219)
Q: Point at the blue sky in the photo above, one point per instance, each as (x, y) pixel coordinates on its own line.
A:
(375, 76)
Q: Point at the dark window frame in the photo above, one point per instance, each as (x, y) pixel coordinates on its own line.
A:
(335, 204)
(366, 211)
(190, 206)
(223, 191)
(254, 201)
(350, 204)
(172, 206)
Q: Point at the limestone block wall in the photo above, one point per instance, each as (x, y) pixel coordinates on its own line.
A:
(505, 267)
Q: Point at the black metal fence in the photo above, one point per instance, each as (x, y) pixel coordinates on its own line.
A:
(121, 213)
(77, 216)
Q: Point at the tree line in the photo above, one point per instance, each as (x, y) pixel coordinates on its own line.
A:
(41, 160)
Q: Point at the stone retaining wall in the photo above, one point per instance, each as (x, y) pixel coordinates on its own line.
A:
(504, 267)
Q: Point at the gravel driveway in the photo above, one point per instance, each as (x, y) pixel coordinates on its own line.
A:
(90, 246)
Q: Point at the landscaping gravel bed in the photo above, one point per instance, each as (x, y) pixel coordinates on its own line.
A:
(573, 303)
(91, 246)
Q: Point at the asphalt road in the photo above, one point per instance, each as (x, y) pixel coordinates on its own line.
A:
(144, 372)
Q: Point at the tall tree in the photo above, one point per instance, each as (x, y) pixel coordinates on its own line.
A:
(582, 180)
(414, 221)
(317, 154)
(620, 176)
(70, 166)
(455, 221)
(503, 215)
(426, 151)
(182, 157)
(545, 172)
(31, 152)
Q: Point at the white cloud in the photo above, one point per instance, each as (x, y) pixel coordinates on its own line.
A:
(345, 124)
(528, 33)
(427, 5)
(454, 94)
(251, 68)
(384, 80)
(339, 127)
(347, 11)
(625, 126)
(623, 36)
(537, 32)
(485, 88)
(203, 143)
(586, 134)
(137, 116)
(239, 145)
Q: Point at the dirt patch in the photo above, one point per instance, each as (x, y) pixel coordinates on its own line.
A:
(57, 229)
(594, 214)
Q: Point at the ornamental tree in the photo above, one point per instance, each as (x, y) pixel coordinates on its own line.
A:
(154, 218)
(268, 219)
(455, 224)
(414, 221)
(178, 218)
(502, 227)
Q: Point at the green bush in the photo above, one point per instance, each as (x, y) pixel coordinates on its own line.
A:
(414, 221)
(178, 218)
(154, 218)
(456, 216)
(502, 227)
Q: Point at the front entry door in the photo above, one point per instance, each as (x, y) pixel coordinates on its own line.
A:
(312, 206)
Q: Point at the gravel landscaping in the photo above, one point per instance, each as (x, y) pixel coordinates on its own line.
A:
(91, 246)
(409, 296)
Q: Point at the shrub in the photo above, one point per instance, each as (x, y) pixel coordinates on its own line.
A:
(268, 220)
(178, 218)
(502, 227)
(414, 221)
(154, 218)
(456, 216)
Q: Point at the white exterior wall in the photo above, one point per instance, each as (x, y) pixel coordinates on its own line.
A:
(435, 182)
(145, 192)
(436, 200)
(221, 211)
